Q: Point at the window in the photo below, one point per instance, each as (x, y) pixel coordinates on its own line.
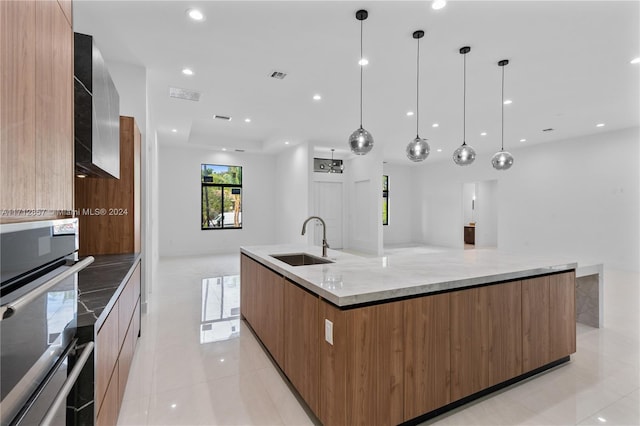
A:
(385, 200)
(221, 197)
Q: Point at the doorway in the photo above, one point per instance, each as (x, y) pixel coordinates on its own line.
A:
(480, 214)
(328, 205)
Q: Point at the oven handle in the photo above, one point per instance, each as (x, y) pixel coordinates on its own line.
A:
(68, 384)
(6, 311)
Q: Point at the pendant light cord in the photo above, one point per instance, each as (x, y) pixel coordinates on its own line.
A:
(418, 90)
(502, 136)
(464, 99)
(361, 67)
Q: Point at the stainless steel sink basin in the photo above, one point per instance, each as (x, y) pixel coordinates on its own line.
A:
(300, 259)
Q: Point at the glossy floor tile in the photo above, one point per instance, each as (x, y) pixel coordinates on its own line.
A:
(198, 364)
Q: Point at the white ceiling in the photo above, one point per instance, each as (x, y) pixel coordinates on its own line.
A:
(569, 70)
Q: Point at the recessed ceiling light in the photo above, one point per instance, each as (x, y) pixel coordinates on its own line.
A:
(224, 149)
(247, 120)
(635, 60)
(187, 71)
(602, 420)
(81, 176)
(317, 97)
(195, 14)
(409, 113)
(286, 142)
(523, 140)
(438, 4)
(174, 405)
(363, 62)
(508, 101)
(174, 130)
(435, 125)
(439, 149)
(483, 134)
(600, 125)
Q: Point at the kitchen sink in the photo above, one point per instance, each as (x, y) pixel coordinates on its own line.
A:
(300, 259)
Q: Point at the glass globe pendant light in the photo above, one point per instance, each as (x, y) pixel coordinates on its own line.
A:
(361, 140)
(418, 149)
(465, 154)
(502, 160)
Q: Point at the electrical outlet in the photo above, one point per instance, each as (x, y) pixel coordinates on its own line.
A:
(328, 331)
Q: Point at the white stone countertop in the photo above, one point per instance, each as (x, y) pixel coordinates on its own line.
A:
(354, 279)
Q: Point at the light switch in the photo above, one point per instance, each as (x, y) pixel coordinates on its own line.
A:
(328, 331)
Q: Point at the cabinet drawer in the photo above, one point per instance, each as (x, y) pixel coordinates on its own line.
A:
(108, 414)
(107, 349)
(127, 302)
(124, 361)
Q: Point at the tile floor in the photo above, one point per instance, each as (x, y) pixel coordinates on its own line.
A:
(184, 374)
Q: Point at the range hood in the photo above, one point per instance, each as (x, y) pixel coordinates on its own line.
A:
(97, 112)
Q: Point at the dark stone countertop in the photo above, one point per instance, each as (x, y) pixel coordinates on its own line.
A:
(99, 286)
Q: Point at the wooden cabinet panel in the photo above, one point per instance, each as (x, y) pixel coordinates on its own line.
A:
(53, 108)
(505, 331)
(117, 231)
(67, 8)
(107, 350)
(469, 342)
(17, 104)
(535, 323)
(562, 315)
(270, 312)
(127, 302)
(361, 374)
(301, 330)
(248, 294)
(486, 337)
(427, 360)
(108, 413)
(124, 362)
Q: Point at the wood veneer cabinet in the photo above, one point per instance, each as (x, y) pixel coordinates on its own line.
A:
(109, 209)
(36, 109)
(301, 341)
(115, 346)
(394, 361)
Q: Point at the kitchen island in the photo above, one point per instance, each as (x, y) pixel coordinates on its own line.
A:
(399, 338)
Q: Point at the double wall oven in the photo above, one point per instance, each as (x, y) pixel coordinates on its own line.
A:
(40, 358)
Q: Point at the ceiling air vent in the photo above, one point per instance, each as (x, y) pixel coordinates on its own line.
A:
(239, 150)
(278, 74)
(548, 130)
(222, 117)
(189, 95)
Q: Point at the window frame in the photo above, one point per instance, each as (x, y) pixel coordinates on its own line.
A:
(222, 187)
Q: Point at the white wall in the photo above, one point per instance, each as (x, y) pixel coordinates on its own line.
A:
(180, 205)
(400, 229)
(292, 195)
(579, 197)
(363, 177)
(486, 213)
(468, 208)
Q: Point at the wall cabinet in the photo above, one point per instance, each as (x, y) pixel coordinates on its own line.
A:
(115, 346)
(36, 97)
(109, 209)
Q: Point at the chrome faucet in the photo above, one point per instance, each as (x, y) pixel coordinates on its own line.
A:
(325, 245)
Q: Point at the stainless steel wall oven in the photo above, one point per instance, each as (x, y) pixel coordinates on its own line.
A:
(40, 360)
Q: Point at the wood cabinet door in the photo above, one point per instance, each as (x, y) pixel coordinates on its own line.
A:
(427, 360)
(17, 104)
(107, 351)
(486, 337)
(562, 315)
(301, 330)
(362, 374)
(54, 139)
(535, 323)
(110, 407)
(269, 318)
(247, 287)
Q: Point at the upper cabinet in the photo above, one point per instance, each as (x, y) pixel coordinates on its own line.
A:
(36, 109)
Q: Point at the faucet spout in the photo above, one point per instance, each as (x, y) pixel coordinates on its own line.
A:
(325, 245)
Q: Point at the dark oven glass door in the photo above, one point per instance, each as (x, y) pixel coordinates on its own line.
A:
(35, 337)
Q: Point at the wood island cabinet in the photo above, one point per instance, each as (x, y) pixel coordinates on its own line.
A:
(36, 104)
(394, 361)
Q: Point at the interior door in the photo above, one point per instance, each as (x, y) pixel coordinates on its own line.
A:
(328, 205)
